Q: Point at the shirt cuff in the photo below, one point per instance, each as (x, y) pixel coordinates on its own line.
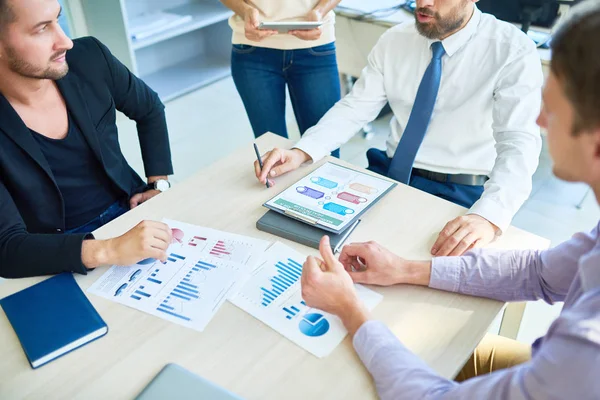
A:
(445, 273)
(314, 148)
(493, 212)
(370, 338)
(73, 244)
(89, 236)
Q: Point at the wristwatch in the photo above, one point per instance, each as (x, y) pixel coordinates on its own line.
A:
(162, 185)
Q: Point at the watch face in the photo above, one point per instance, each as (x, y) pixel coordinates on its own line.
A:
(162, 185)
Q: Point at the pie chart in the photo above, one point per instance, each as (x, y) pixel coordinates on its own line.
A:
(177, 235)
(314, 325)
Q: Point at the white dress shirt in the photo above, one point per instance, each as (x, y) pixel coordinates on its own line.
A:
(484, 120)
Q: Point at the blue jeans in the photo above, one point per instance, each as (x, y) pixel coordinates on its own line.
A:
(463, 195)
(261, 76)
(113, 212)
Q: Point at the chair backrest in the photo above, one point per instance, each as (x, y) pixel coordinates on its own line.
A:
(545, 12)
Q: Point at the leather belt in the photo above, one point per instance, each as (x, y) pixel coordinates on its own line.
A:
(460, 179)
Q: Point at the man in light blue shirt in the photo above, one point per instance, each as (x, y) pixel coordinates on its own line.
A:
(563, 364)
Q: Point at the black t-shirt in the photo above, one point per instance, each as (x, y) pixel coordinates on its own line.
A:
(86, 188)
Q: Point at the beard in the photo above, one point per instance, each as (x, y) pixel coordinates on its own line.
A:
(28, 70)
(442, 26)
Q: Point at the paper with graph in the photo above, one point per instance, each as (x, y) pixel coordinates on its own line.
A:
(272, 294)
(331, 197)
(204, 268)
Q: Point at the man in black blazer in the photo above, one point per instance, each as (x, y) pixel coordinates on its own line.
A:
(62, 173)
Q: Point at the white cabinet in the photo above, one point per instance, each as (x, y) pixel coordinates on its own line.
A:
(175, 60)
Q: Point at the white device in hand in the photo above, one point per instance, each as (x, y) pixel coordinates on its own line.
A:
(290, 25)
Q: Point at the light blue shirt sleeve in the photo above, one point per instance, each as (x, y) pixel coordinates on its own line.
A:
(514, 275)
(565, 367)
(564, 363)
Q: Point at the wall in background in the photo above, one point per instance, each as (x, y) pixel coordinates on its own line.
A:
(76, 18)
(64, 21)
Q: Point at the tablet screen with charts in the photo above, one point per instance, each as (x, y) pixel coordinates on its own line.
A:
(332, 197)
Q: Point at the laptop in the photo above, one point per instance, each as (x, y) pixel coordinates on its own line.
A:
(175, 382)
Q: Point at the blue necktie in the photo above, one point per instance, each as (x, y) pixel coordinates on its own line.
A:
(416, 128)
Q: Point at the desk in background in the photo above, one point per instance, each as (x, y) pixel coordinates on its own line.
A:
(237, 351)
(355, 38)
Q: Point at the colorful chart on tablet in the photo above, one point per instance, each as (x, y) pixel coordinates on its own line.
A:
(331, 197)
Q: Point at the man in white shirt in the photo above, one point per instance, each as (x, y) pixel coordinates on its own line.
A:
(473, 136)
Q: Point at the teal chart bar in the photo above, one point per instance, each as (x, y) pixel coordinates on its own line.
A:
(287, 275)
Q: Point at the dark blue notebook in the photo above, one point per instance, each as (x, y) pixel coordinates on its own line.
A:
(52, 318)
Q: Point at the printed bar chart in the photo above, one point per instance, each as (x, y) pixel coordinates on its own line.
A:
(195, 240)
(287, 275)
(204, 266)
(167, 309)
(174, 257)
(219, 249)
(292, 311)
(191, 285)
(273, 295)
(184, 291)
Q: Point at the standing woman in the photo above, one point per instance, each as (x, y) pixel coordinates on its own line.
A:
(265, 61)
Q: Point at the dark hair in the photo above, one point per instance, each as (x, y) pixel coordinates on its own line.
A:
(576, 63)
(6, 14)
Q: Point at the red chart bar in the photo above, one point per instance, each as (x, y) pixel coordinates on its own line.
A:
(220, 251)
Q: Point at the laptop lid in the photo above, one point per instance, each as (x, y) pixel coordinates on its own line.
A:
(175, 382)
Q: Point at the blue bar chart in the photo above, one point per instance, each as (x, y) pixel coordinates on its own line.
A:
(273, 295)
(185, 291)
(192, 284)
(164, 307)
(287, 275)
(291, 311)
(203, 265)
(175, 257)
(152, 278)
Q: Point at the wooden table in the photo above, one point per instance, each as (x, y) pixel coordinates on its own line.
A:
(236, 350)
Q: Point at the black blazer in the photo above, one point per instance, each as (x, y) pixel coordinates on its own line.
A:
(32, 215)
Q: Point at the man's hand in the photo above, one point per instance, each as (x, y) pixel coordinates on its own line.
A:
(372, 264)
(309, 34)
(140, 198)
(148, 239)
(251, 19)
(462, 234)
(278, 162)
(327, 286)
